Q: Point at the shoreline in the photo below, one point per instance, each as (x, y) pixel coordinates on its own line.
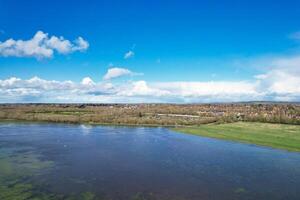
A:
(136, 125)
(220, 131)
(91, 124)
(277, 136)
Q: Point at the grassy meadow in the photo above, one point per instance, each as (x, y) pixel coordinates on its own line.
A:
(281, 136)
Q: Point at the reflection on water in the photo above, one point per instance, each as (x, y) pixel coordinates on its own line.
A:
(94, 162)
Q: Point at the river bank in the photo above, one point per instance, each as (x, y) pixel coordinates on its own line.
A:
(280, 136)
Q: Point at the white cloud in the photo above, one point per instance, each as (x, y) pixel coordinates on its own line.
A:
(282, 80)
(41, 46)
(129, 54)
(274, 85)
(116, 72)
(81, 44)
(279, 81)
(141, 88)
(279, 77)
(59, 44)
(39, 90)
(87, 81)
(198, 89)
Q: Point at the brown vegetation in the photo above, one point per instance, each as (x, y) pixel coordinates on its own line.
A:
(153, 114)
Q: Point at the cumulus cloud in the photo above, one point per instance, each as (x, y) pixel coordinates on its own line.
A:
(282, 79)
(80, 44)
(41, 46)
(87, 81)
(273, 85)
(141, 88)
(40, 90)
(116, 72)
(129, 54)
(279, 81)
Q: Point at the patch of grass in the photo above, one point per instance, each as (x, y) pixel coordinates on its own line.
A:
(62, 112)
(279, 136)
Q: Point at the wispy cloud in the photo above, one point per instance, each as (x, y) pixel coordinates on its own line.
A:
(129, 54)
(295, 35)
(116, 72)
(41, 46)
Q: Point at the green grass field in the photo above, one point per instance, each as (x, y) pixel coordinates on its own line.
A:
(279, 136)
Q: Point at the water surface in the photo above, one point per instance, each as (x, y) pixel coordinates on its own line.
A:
(101, 162)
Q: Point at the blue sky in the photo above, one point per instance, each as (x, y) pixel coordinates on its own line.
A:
(171, 43)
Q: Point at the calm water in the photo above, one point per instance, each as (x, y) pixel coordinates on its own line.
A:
(151, 163)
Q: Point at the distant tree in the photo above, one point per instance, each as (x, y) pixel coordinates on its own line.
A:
(140, 114)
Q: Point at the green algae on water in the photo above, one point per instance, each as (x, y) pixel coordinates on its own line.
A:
(16, 171)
